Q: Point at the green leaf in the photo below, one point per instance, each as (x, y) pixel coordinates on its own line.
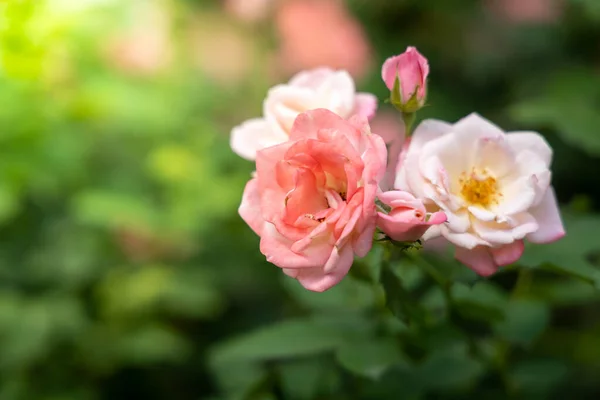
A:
(591, 8)
(9, 202)
(370, 359)
(568, 105)
(305, 379)
(151, 344)
(565, 292)
(524, 321)
(113, 210)
(398, 299)
(449, 369)
(569, 255)
(292, 338)
(238, 380)
(350, 293)
(483, 301)
(537, 377)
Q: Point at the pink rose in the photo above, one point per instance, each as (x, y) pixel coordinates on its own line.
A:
(530, 11)
(313, 33)
(248, 10)
(408, 219)
(312, 201)
(493, 186)
(410, 69)
(143, 48)
(307, 90)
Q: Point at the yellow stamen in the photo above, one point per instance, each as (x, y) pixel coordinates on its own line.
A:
(479, 188)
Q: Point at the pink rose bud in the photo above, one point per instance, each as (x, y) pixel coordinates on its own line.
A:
(406, 77)
(407, 219)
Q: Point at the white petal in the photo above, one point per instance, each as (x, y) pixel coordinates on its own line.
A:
(312, 78)
(531, 141)
(336, 94)
(506, 233)
(467, 240)
(253, 135)
(284, 103)
(442, 161)
(428, 130)
(482, 214)
(517, 196)
(495, 155)
(458, 222)
(433, 232)
(529, 164)
(474, 126)
(407, 175)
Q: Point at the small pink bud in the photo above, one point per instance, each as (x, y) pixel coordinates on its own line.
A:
(406, 77)
(407, 219)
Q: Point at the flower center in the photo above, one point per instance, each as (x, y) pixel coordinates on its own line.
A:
(479, 188)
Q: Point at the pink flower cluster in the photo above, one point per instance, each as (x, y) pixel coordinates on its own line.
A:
(318, 195)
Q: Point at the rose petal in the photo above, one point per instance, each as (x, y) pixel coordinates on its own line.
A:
(254, 135)
(479, 259)
(365, 105)
(547, 215)
(316, 280)
(531, 141)
(508, 254)
(249, 210)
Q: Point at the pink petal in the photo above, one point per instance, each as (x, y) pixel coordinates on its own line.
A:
(508, 254)
(389, 71)
(249, 210)
(548, 218)
(277, 250)
(363, 243)
(365, 105)
(408, 231)
(400, 198)
(479, 259)
(308, 124)
(317, 280)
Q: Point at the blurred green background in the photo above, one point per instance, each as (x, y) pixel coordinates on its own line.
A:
(126, 273)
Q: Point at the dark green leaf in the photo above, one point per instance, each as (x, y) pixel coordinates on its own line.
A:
(370, 358)
(398, 299)
(524, 321)
(293, 338)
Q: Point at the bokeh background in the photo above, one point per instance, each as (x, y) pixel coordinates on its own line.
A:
(126, 273)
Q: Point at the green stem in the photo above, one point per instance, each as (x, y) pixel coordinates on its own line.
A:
(503, 350)
(432, 272)
(409, 120)
(523, 283)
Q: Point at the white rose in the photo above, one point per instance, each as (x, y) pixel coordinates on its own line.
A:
(494, 188)
(308, 90)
